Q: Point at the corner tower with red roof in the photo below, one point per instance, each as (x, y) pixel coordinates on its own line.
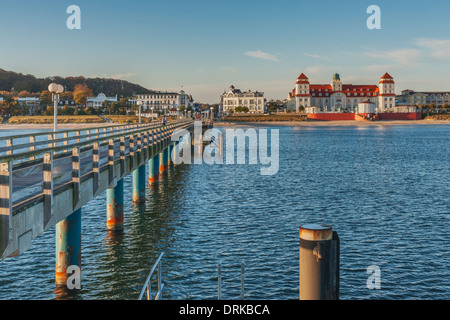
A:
(386, 96)
(302, 92)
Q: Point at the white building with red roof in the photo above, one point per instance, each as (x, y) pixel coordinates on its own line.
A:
(339, 97)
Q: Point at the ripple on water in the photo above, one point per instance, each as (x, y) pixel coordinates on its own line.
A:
(378, 187)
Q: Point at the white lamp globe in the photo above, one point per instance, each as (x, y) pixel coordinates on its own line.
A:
(60, 89)
(53, 87)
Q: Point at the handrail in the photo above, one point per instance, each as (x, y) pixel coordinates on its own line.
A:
(28, 154)
(12, 147)
(147, 284)
(219, 280)
(72, 130)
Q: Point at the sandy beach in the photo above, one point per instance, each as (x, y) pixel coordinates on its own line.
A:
(334, 123)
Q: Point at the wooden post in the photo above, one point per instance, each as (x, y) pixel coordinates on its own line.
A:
(132, 162)
(76, 176)
(122, 156)
(139, 149)
(96, 166)
(9, 143)
(32, 148)
(66, 139)
(111, 162)
(6, 202)
(48, 187)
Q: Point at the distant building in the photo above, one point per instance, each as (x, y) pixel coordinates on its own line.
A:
(32, 103)
(411, 97)
(97, 101)
(254, 101)
(164, 100)
(337, 96)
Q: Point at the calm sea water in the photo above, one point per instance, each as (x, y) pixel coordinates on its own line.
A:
(385, 190)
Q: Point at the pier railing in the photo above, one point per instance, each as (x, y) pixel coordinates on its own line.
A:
(17, 144)
(148, 286)
(44, 177)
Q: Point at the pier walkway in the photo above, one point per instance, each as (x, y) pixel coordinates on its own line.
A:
(46, 178)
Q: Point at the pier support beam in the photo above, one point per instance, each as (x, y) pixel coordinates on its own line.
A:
(139, 185)
(153, 165)
(163, 162)
(68, 246)
(114, 207)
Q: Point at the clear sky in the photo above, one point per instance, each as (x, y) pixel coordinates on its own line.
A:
(207, 45)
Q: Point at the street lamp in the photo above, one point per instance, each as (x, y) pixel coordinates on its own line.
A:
(56, 90)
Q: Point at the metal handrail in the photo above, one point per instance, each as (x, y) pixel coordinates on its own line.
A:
(219, 280)
(75, 130)
(22, 155)
(55, 141)
(147, 285)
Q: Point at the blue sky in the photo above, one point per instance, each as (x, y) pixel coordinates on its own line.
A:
(205, 46)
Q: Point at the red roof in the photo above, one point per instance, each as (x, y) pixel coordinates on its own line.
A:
(302, 77)
(387, 76)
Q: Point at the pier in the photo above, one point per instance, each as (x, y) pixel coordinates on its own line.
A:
(46, 179)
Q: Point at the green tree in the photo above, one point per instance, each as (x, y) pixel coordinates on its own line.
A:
(49, 111)
(45, 98)
(80, 94)
(67, 110)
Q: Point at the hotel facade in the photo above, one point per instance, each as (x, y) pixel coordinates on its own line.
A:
(164, 100)
(254, 101)
(339, 97)
(412, 97)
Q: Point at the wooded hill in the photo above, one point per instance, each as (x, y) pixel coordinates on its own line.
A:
(110, 87)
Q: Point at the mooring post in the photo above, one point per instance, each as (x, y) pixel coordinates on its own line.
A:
(139, 185)
(153, 171)
(319, 263)
(68, 246)
(114, 207)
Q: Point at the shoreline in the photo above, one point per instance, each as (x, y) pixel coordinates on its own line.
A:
(68, 126)
(348, 123)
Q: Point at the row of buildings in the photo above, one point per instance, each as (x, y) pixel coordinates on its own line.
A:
(335, 97)
(153, 102)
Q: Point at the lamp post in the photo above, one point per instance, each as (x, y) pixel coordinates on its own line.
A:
(56, 90)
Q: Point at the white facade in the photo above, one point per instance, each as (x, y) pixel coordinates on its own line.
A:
(339, 97)
(97, 102)
(31, 102)
(254, 101)
(164, 100)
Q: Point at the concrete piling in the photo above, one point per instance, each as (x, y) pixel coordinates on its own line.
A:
(68, 246)
(139, 185)
(319, 263)
(153, 171)
(169, 155)
(114, 207)
(163, 162)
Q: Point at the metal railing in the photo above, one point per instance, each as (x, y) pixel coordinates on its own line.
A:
(219, 280)
(66, 138)
(147, 286)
